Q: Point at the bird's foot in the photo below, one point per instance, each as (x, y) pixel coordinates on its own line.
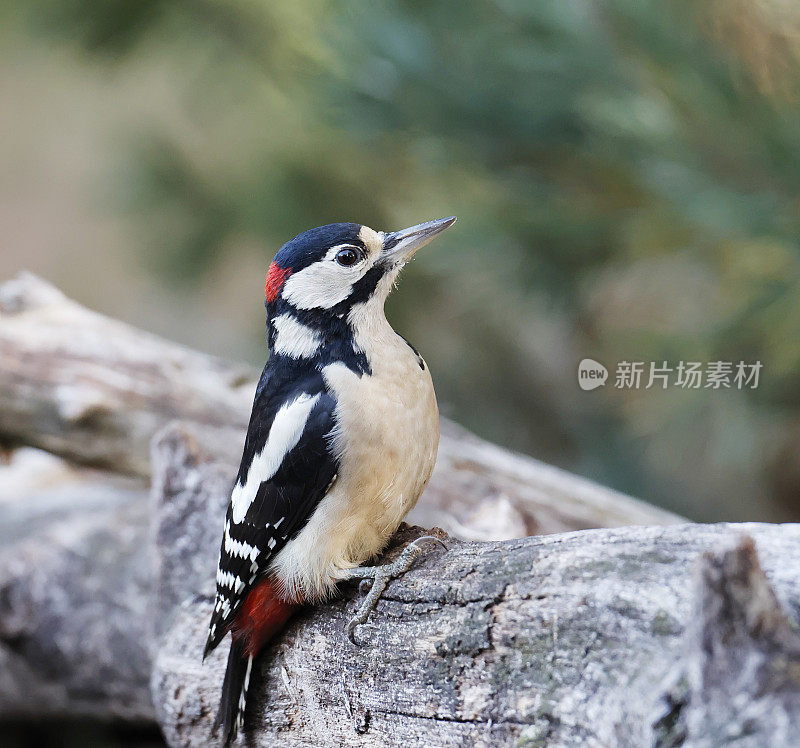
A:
(376, 579)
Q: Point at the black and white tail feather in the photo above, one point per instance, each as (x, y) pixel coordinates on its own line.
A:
(230, 717)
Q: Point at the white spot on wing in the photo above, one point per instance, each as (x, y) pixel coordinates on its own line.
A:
(238, 549)
(293, 338)
(286, 430)
(243, 550)
(226, 579)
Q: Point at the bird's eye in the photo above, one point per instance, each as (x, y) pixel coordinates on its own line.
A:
(347, 257)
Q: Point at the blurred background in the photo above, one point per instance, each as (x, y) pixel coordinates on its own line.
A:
(626, 175)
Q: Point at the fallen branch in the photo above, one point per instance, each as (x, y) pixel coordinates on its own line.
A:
(75, 586)
(561, 639)
(601, 637)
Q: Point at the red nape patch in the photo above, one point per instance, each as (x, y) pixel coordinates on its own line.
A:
(263, 614)
(276, 277)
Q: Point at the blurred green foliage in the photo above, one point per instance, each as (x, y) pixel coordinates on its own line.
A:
(627, 188)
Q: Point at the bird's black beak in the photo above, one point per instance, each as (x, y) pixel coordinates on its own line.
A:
(399, 246)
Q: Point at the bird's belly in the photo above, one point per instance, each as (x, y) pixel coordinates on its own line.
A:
(387, 438)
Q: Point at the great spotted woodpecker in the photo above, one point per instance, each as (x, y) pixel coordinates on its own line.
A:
(342, 440)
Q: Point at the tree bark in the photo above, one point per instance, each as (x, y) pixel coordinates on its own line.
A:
(602, 637)
(95, 391)
(555, 640)
(75, 588)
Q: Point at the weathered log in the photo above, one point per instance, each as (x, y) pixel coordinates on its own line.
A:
(95, 390)
(553, 640)
(75, 586)
(593, 638)
(739, 682)
(560, 640)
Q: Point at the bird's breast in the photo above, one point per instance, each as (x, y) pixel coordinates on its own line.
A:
(387, 432)
(386, 438)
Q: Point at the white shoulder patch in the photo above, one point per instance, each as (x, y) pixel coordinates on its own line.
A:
(293, 338)
(286, 430)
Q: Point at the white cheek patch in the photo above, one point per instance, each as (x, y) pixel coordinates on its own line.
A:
(293, 338)
(319, 286)
(324, 283)
(286, 430)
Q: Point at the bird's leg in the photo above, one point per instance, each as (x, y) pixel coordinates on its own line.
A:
(380, 577)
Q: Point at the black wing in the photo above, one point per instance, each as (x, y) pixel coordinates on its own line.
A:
(278, 507)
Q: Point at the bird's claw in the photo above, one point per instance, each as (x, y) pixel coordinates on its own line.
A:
(375, 579)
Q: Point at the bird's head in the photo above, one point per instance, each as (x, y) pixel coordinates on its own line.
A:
(332, 268)
(327, 281)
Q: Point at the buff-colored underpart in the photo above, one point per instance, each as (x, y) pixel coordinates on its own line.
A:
(387, 441)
